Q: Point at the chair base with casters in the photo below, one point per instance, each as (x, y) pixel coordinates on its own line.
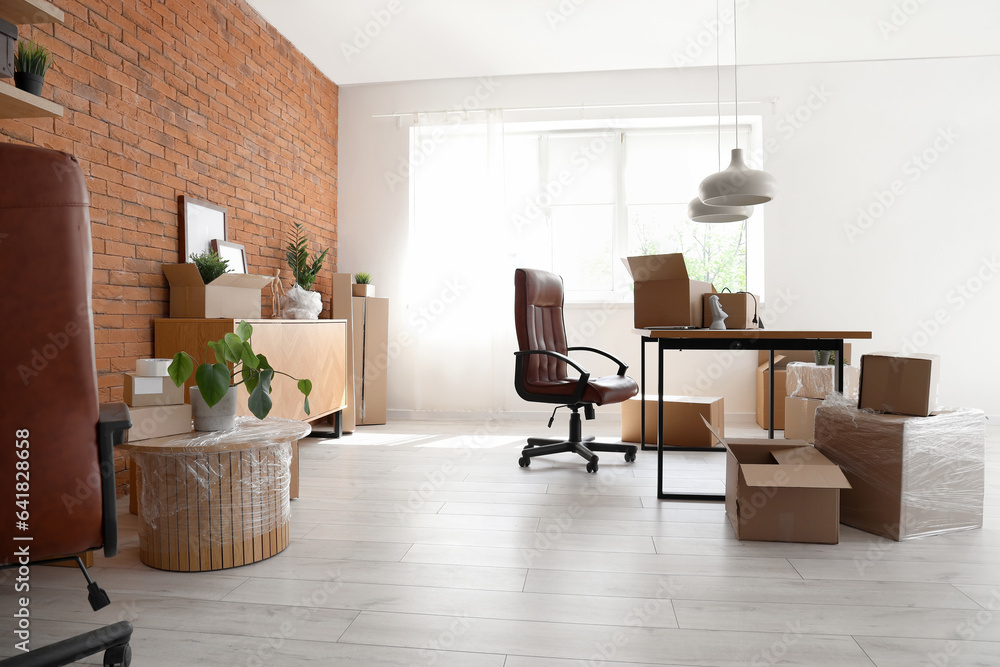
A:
(585, 447)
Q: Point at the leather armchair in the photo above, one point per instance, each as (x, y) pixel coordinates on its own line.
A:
(541, 370)
(63, 439)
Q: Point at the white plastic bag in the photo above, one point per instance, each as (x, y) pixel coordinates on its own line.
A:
(298, 304)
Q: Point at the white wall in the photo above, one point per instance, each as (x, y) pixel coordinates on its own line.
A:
(919, 272)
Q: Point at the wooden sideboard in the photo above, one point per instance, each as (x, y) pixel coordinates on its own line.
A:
(310, 349)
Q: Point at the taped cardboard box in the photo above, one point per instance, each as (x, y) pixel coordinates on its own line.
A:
(159, 421)
(664, 294)
(807, 380)
(800, 418)
(682, 420)
(142, 391)
(741, 308)
(910, 476)
(782, 491)
(231, 295)
(902, 385)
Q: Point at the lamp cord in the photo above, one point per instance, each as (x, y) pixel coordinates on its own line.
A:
(736, 79)
(718, 83)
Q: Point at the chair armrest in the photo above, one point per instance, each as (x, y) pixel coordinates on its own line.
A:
(114, 420)
(622, 366)
(581, 385)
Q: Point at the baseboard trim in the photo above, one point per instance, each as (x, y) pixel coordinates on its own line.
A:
(522, 415)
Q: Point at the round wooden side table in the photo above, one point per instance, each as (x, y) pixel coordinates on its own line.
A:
(214, 500)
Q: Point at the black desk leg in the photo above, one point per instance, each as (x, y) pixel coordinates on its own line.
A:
(642, 393)
(840, 366)
(770, 370)
(659, 418)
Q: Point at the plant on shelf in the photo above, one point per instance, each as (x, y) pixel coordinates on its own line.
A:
(215, 380)
(31, 62)
(297, 253)
(362, 284)
(362, 278)
(210, 265)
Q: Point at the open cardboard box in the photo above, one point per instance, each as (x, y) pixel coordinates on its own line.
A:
(781, 491)
(231, 295)
(664, 294)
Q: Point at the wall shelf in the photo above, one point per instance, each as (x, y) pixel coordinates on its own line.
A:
(23, 12)
(16, 103)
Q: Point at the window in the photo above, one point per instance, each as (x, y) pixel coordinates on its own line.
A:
(581, 199)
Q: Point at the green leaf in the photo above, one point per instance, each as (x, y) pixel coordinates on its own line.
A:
(249, 358)
(213, 382)
(250, 378)
(244, 331)
(180, 368)
(306, 406)
(260, 397)
(219, 347)
(263, 363)
(306, 387)
(234, 347)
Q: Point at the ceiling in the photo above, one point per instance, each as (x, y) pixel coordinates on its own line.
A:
(371, 41)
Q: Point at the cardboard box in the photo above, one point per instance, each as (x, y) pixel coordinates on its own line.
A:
(664, 295)
(231, 295)
(8, 45)
(899, 385)
(910, 476)
(800, 418)
(145, 391)
(740, 307)
(807, 380)
(159, 421)
(371, 360)
(782, 491)
(682, 424)
(763, 386)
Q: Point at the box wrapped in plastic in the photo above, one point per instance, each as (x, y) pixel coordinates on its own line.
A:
(213, 500)
(807, 380)
(910, 476)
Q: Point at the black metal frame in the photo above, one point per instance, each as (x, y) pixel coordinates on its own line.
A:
(741, 343)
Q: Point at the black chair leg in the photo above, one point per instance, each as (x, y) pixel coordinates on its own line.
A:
(585, 447)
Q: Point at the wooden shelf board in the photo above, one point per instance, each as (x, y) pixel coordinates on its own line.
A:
(16, 103)
(23, 12)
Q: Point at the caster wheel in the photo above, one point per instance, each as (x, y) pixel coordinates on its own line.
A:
(524, 462)
(592, 465)
(630, 455)
(118, 656)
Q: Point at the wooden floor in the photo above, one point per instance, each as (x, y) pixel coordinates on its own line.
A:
(423, 543)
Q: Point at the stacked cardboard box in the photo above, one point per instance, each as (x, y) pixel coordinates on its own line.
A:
(903, 385)
(682, 420)
(156, 404)
(910, 476)
(781, 360)
(806, 385)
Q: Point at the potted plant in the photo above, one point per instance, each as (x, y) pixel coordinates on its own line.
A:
(300, 302)
(31, 62)
(210, 265)
(213, 399)
(362, 284)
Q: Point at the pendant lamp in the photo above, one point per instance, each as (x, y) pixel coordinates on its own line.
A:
(699, 211)
(737, 184)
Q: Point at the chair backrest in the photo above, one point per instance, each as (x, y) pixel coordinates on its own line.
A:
(538, 320)
(48, 376)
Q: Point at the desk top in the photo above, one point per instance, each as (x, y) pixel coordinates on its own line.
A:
(756, 334)
(248, 433)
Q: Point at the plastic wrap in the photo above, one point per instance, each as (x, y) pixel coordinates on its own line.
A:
(807, 380)
(910, 476)
(208, 501)
(299, 304)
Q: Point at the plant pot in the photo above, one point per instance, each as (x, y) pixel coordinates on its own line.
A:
(300, 304)
(824, 357)
(219, 417)
(366, 289)
(29, 83)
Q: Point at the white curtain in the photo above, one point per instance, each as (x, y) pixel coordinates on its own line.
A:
(460, 296)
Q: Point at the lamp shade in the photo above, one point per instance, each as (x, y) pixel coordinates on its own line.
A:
(738, 185)
(699, 211)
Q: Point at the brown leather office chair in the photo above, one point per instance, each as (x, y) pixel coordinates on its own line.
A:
(64, 502)
(540, 370)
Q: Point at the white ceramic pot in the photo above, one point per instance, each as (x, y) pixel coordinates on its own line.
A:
(219, 417)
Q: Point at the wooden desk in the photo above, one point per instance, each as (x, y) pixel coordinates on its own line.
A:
(729, 339)
(210, 501)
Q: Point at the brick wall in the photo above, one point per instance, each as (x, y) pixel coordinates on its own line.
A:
(171, 97)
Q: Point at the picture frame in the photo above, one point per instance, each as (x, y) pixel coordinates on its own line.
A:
(234, 252)
(200, 223)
